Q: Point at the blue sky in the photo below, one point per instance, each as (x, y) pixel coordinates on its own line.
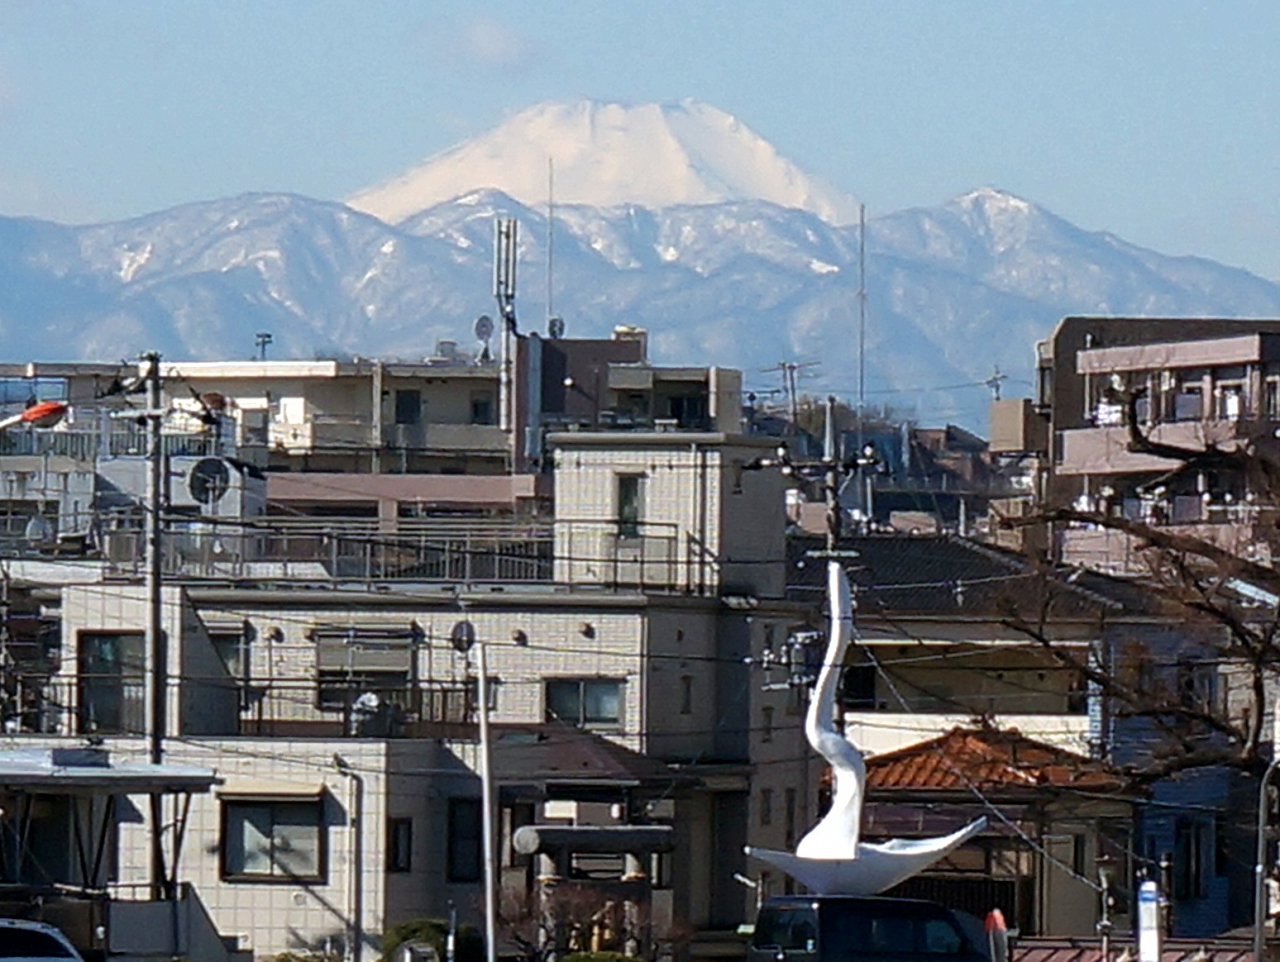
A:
(1158, 120)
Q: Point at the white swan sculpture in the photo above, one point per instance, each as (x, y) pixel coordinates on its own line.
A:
(830, 860)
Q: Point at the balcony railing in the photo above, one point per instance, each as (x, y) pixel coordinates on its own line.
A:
(81, 445)
(304, 706)
(646, 555)
(343, 550)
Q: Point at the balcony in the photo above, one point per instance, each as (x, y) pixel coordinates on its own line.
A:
(1236, 529)
(1105, 450)
(78, 445)
(617, 554)
(351, 550)
(447, 438)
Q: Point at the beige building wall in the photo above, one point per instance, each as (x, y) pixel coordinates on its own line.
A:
(704, 521)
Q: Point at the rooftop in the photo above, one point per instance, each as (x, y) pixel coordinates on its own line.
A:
(986, 758)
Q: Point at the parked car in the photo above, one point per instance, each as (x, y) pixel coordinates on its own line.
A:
(25, 941)
(850, 928)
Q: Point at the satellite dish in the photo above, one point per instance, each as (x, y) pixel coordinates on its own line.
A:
(209, 480)
(39, 531)
(484, 328)
(463, 636)
(555, 327)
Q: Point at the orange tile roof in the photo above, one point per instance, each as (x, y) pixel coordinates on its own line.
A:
(987, 758)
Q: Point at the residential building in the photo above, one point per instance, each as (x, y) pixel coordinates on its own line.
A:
(1196, 383)
(1052, 816)
(328, 692)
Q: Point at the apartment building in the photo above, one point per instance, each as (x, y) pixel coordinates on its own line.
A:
(1116, 397)
(330, 698)
(439, 437)
(1198, 384)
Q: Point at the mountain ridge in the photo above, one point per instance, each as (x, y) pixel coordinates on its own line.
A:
(954, 290)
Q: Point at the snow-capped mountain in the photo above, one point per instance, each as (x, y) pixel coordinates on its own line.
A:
(734, 279)
(612, 155)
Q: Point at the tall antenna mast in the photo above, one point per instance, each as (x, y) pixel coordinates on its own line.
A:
(862, 321)
(862, 361)
(551, 220)
(504, 291)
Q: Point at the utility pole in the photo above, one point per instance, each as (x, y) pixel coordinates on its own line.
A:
(1260, 846)
(157, 676)
(486, 819)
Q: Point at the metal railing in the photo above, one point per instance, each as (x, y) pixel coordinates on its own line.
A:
(121, 441)
(303, 706)
(599, 553)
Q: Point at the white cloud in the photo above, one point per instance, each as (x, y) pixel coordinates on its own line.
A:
(493, 43)
(478, 42)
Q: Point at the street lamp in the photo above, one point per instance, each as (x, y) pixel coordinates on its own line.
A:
(1106, 877)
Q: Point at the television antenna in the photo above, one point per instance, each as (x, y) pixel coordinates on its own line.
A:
(994, 382)
(208, 481)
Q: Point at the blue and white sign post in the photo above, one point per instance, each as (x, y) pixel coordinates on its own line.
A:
(1150, 931)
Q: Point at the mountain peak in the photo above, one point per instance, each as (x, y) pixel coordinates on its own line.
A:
(993, 200)
(612, 155)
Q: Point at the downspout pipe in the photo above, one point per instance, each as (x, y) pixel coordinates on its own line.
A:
(355, 815)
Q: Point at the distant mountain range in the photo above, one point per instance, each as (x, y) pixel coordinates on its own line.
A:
(678, 219)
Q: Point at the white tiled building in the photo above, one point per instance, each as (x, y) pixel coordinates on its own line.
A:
(339, 717)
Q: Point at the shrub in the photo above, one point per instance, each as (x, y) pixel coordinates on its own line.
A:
(468, 948)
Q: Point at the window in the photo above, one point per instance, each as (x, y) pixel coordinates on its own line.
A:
(482, 409)
(337, 689)
(1079, 851)
(399, 845)
(1197, 684)
(111, 682)
(585, 701)
(1188, 396)
(766, 806)
(686, 694)
(630, 505)
(1229, 388)
(789, 800)
(408, 407)
(268, 841)
(766, 723)
(230, 647)
(465, 833)
(858, 687)
(1189, 837)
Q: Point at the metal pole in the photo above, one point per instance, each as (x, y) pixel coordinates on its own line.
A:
(157, 675)
(486, 823)
(1104, 924)
(1259, 865)
(831, 483)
